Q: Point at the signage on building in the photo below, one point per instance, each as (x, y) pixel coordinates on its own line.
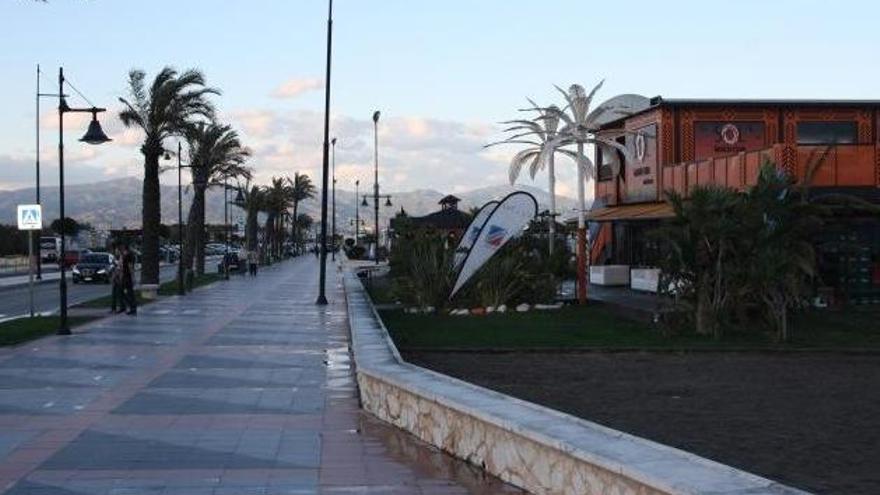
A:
(641, 182)
(726, 138)
(30, 217)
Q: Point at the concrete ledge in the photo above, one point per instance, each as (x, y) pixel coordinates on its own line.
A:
(536, 448)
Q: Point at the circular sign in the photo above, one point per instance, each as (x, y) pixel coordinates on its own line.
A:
(730, 134)
(641, 147)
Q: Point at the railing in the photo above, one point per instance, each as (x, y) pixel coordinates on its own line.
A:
(844, 165)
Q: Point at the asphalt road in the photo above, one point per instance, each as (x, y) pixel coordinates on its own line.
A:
(14, 301)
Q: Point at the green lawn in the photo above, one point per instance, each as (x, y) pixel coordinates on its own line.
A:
(25, 329)
(595, 326)
(165, 289)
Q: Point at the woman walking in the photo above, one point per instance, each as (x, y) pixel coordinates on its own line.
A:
(117, 298)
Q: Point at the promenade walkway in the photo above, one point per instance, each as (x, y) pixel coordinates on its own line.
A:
(244, 387)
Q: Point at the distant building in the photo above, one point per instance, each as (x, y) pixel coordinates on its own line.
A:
(449, 219)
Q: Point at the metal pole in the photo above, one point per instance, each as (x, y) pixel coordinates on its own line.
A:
(322, 298)
(39, 233)
(180, 288)
(357, 210)
(376, 181)
(31, 270)
(225, 227)
(333, 235)
(63, 328)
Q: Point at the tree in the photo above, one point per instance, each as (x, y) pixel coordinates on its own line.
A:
(279, 197)
(540, 136)
(580, 128)
(167, 108)
(252, 202)
(71, 226)
(303, 189)
(215, 154)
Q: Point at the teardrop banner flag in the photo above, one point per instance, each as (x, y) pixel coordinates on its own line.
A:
(507, 220)
(470, 235)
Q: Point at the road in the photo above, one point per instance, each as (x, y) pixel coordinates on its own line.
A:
(14, 301)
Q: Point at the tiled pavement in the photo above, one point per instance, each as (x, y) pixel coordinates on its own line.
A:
(240, 388)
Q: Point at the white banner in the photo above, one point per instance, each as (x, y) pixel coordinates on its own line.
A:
(470, 235)
(508, 220)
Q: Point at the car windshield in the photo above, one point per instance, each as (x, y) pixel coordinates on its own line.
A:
(95, 258)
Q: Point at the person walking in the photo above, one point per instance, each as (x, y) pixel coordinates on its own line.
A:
(252, 262)
(117, 298)
(128, 279)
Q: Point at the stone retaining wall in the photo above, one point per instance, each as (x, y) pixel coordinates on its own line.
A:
(533, 447)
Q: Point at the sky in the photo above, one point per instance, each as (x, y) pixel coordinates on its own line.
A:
(443, 73)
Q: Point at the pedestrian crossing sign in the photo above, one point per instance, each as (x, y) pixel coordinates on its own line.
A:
(30, 217)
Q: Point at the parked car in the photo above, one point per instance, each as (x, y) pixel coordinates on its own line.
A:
(71, 257)
(94, 267)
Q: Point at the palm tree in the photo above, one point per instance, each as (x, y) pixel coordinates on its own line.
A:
(540, 137)
(303, 189)
(302, 223)
(580, 127)
(216, 154)
(253, 200)
(167, 108)
(279, 197)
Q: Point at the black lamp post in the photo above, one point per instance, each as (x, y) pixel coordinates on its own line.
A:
(181, 290)
(357, 210)
(333, 230)
(322, 275)
(376, 180)
(94, 135)
(225, 227)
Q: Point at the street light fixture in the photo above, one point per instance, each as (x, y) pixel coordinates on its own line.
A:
(357, 210)
(94, 135)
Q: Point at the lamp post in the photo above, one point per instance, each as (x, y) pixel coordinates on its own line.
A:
(357, 210)
(376, 179)
(322, 275)
(376, 198)
(181, 290)
(94, 135)
(225, 227)
(333, 231)
(39, 251)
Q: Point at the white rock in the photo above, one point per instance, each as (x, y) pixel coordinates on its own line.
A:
(502, 308)
(490, 309)
(428, 309)
(522, 308)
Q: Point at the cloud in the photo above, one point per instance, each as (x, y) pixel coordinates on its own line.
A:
(297, 86)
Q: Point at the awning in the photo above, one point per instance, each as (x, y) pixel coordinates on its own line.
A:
(646, 211)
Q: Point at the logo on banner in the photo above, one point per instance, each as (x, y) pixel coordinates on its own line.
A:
(474, 232)
(495, 235)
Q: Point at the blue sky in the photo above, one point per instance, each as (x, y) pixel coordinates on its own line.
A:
(441, 72)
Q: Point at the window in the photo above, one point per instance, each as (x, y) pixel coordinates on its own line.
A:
(606, 161)
(827, 133)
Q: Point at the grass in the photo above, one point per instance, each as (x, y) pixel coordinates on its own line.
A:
(165, 289)
(595, 326)
(25, 329)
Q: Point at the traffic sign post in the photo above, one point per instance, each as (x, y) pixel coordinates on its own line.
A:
(30, 218)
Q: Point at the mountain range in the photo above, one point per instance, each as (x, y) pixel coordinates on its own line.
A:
(117, 203)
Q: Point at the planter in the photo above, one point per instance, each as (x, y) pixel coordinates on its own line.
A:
(609, 275)
(645, 279)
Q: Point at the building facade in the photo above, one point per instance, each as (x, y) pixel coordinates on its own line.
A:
(675, 145)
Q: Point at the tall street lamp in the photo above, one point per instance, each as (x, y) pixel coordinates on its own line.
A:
(376, 194)
(322, 276)
(94, 135)
(180, 288)
(357, 210)
(226, 226)
(333, 231)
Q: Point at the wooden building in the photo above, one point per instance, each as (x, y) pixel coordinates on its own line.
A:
(679, 144)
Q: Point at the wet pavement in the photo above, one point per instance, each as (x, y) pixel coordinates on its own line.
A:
(244, 387)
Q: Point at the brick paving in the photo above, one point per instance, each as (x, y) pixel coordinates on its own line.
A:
(244, 387)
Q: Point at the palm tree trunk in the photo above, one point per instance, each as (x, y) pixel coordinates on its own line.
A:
(251, 228)
(270, 234)
(581, 232)
(200, 232)
(151, 217)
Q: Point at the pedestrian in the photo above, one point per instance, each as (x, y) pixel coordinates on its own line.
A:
(117, 298)
(252, 262)
(128, 279)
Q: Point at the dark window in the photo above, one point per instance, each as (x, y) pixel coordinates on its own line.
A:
(827, 133)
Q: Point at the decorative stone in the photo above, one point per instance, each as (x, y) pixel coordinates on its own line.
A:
(502, 308)
(522, 308)
(478, 311)
(490, 309)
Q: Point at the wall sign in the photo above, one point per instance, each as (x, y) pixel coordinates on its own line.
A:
(641, 173)
(726, 138)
